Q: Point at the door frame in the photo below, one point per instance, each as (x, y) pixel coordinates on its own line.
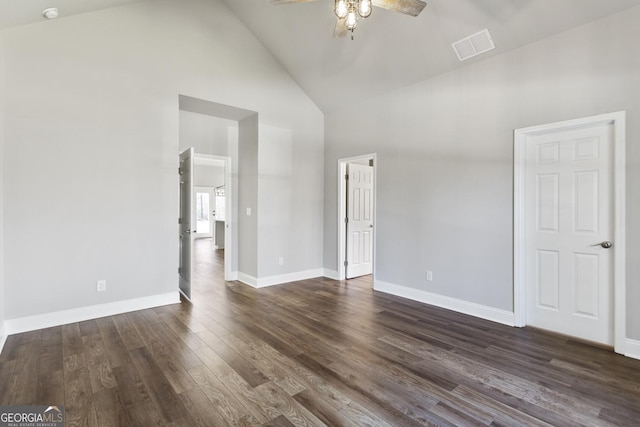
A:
(342, 209)
(230, 253)
(618, 122)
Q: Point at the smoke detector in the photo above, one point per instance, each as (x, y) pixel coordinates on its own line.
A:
(50, 13)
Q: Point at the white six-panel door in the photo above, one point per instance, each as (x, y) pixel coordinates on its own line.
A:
(359, 220)
(568, 209)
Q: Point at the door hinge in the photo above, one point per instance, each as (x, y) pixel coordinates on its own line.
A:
(179, 220)
(346, 220)
(179, 270)
(179, 171)
(346, 177)
(346, 263)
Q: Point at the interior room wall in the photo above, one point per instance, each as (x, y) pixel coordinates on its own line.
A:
(2, 159)
(206, 134)
(208, 176)
(92, 131)
(445, 158)
(286, 201)
(248, 198)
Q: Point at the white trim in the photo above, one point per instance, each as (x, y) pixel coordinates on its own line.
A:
(247, 280)
(342, 207)
(618, 120)
(187, 297)
(47, 320)
(264, 282)
(470, 308)
(619, 230)
(3, 337)
(232, 276)
(289, 277)
(632, 349)
(331, 274)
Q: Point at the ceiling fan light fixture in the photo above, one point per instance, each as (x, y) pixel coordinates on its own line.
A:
(352, 19)
(364, 8)
(341, 9)
(349, 12)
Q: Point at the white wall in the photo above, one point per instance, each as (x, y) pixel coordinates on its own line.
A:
(208, 176)
(445, 156)
(207, 134)
(2, 159)
(91, 128)
(248, 196)
(287, 204)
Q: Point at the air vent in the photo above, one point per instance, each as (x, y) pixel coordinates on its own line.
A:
(473, 45)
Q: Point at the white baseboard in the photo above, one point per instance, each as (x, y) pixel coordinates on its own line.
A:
(3, 337)
(477, 310)
(47, 320)
(263, 282)
(247, 280)
(331, 274)
(632, 349)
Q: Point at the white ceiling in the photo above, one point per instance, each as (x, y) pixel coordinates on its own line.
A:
(390, 50)
(20, 12)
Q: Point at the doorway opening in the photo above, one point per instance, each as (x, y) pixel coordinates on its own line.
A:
(204, 209)
(218, 133)
(569, 221)
(356, 216)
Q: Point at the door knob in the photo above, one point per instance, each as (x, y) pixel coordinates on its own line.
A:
(604, 244)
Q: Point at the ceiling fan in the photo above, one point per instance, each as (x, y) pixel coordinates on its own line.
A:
(348, 11)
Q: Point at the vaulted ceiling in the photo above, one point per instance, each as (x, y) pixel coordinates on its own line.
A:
(389, 50)
(20, 12)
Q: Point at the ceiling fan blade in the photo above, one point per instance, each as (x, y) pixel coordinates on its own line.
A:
(289, 1)
(408, 7)
(341, 28)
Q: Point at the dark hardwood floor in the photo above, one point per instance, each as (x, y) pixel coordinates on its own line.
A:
(316, 352)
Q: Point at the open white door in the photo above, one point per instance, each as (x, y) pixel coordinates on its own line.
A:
(186, 229)
(359, 220)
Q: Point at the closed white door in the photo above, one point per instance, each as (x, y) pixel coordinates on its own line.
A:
(185, 264)
(359, 220)
(568, 208)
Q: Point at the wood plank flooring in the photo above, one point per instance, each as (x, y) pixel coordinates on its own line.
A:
(315, 352)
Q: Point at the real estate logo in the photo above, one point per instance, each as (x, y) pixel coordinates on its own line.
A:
(31, 416)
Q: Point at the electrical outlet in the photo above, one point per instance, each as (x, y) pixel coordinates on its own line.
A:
(429, 276)
(101, 285)
(280, 261)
